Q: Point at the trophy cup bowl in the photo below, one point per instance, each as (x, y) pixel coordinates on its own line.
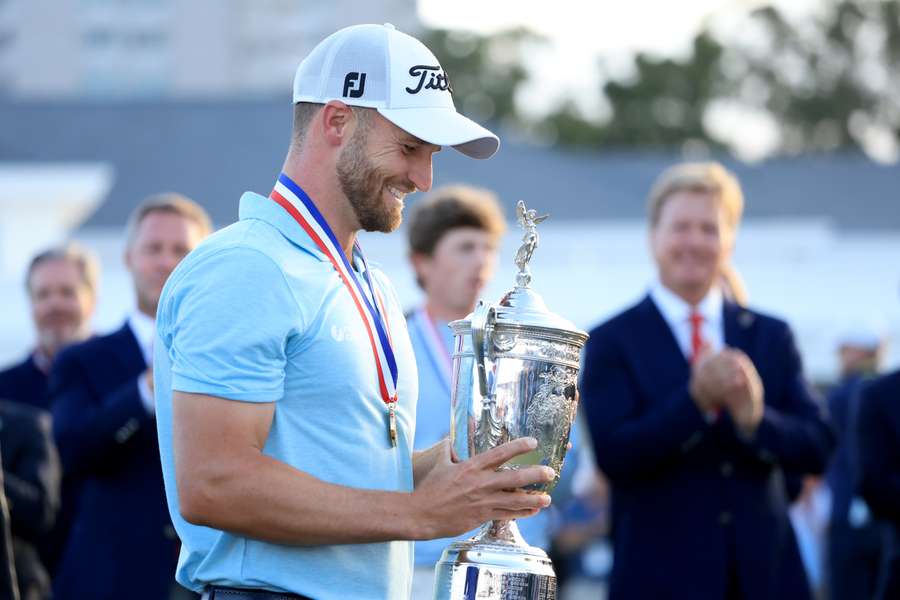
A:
(514, 374)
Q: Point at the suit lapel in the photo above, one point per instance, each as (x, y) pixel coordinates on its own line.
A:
(738, 323)
(128, 351)
(653, 332)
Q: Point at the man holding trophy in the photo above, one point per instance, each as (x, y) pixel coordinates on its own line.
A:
(285, 381)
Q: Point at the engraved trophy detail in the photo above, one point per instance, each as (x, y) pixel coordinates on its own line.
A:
(515, 367)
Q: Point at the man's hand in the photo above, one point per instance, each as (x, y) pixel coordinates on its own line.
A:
(709, 380)
(729, 380)
(745, 395)
(456, 497)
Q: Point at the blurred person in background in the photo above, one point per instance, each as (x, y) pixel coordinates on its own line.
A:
(122, 543)
(31, 485)
(453, 235)
(61, 284)
(878, 449)
(855, 539)
(580, 547)
(695, 405)
(9, 588)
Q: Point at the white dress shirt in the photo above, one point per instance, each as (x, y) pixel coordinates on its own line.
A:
(144, 330)
(677, 313)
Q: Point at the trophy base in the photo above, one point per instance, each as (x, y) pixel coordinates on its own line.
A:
(478, 570)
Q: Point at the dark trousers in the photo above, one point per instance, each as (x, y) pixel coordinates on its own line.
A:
(855, 557)
(224, 593)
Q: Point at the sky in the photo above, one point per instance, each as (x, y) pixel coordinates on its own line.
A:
(580, 32)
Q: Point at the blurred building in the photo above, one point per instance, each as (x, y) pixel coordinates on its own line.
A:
(170, 48)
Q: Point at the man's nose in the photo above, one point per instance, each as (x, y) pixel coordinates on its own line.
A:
(169, 260)
(420, 172)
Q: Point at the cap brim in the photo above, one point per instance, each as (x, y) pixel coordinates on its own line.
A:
(444, 127)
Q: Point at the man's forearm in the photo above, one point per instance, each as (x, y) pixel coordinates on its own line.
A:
(266, 499)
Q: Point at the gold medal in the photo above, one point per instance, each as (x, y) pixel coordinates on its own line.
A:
(392, 424)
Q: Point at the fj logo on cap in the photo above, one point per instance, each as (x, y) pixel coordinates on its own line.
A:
(354, 85)
(436, 79)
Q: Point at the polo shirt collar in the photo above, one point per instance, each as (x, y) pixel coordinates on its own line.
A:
(256, 206)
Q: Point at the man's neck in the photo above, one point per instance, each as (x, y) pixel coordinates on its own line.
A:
(147, 311)
(47, 350)
(692, 295)
(329, 201)
(442, 312)
(44, 355)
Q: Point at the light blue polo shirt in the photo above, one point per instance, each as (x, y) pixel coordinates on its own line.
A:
(257, 314)
(433, 424)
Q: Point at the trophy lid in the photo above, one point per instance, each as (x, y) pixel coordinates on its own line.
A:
(523, 307)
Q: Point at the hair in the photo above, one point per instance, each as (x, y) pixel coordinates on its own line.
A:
(708, 177)
(449, 208)
(733, 286)
(304, 112)
(168, 202)
(73, 253)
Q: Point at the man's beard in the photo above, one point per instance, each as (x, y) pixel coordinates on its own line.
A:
(363, 185)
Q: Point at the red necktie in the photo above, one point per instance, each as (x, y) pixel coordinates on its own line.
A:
(696, 334)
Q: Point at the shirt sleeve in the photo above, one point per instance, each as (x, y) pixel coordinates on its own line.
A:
(226, 325)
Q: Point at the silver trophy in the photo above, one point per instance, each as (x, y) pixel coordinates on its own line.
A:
(515, 367)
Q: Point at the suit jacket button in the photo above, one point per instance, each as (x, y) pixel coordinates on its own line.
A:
(766, 456)
(691, 441)
(127, 430)
(726, 469)
(724, 517)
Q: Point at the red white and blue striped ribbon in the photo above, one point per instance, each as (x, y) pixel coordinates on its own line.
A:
(298, 204)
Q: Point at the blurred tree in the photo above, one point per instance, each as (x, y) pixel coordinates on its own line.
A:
(661, 105)
(827, 82)
(832, 81)
(485, 71)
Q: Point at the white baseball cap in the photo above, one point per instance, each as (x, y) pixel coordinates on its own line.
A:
(867, 334)
(379, 67)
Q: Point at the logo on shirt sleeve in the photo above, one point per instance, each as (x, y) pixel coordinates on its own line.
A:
(344, 334)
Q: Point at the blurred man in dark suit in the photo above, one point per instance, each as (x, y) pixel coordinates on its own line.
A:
(62, 289)
(695, 405)
(855, 539)
(8, 586)
(122, 543)
(878, 434)
(31, 478)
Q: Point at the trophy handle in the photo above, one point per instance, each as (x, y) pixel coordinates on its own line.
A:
(482, 318)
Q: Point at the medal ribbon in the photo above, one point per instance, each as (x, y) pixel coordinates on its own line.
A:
(434, 344)
(298, 204)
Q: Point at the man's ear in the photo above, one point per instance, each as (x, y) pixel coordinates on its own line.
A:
(421, 265)
(126, 258)
(338, 122)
